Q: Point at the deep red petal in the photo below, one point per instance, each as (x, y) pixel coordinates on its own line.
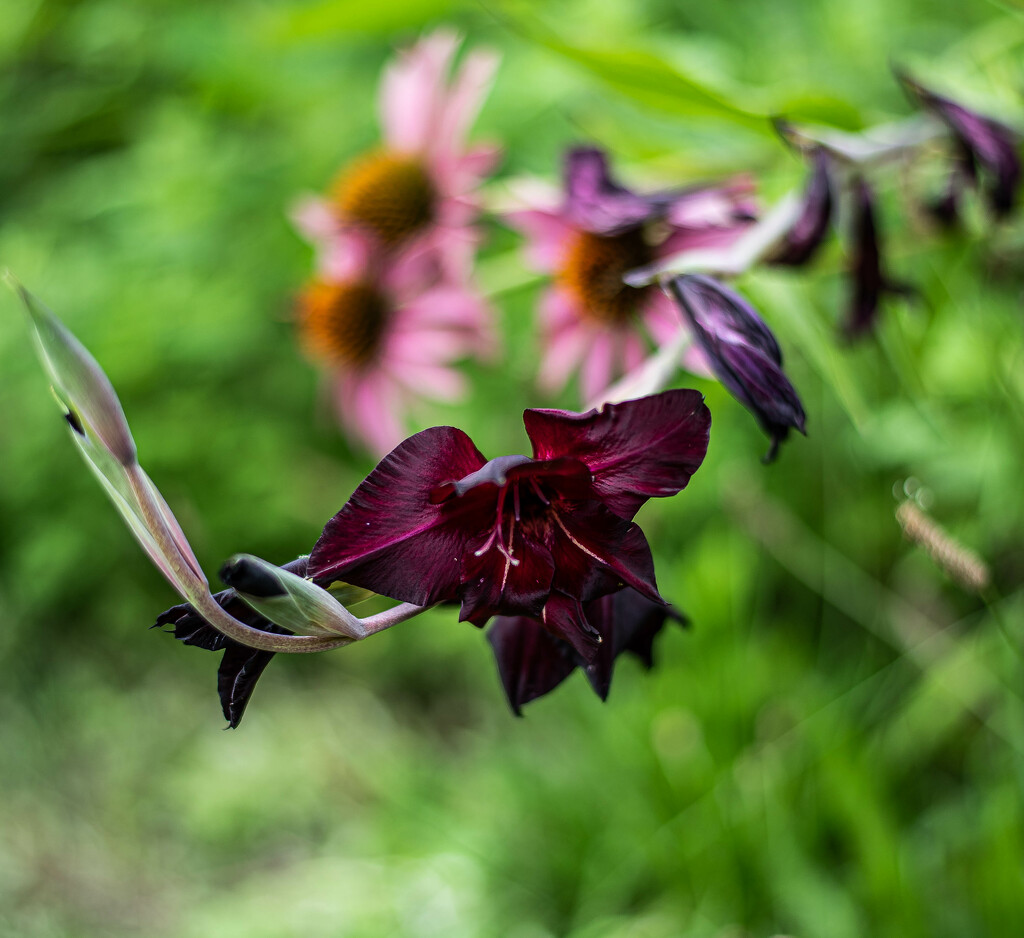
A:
(493, 585)
(636, 450)
(531, 662)
(596, 552)
(390, 539)
(600, 615)
(563, 617)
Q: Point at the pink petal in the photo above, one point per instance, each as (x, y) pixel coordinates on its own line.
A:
(460, 107)
(558, 310)
(368, 409)
(690, 239)
(413, 91)
(664, 323)
(435, 381)
(472, 167)
(423, 346)
(661, 318)
(345, 256)
(313, 219)
(632, 352)
(547, 235)
(462, 312)
(596, 373)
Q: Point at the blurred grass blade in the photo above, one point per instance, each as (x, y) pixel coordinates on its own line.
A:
(646, 77)
(339, 18)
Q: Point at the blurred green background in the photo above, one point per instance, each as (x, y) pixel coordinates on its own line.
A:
(836, 748)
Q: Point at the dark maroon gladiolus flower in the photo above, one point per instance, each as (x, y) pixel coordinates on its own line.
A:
(869, 282)
(437, 522)
(241, 666)
(984, 144)
(811, 228)
(531, 661)
(742, 352)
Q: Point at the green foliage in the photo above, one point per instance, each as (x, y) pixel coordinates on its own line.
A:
(835, 748)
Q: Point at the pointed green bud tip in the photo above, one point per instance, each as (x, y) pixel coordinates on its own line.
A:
(86, 393)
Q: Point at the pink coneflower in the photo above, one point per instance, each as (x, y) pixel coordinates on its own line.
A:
(416, 190)
(388, 333)
(590, 319)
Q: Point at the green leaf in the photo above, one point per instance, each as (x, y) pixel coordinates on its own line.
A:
(647, 78)
(340, 17)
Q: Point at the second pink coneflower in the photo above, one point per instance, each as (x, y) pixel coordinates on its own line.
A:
(590, 319)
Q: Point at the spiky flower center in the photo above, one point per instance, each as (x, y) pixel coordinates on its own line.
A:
(387, 194)
(592, 273)
(343, 323)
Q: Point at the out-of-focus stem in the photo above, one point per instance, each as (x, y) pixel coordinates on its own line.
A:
(752, 246)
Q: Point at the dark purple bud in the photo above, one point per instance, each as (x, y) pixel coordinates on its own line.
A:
(869, 282)
(241, 666)
(985, 145)
(742, 353)
(810, 229)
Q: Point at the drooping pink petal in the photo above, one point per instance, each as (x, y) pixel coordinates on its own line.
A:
(597, 370)
(460, 312)
(631, 352)
(692, 239)
(368, 404)
(411, 346)
(389, 538)
(563, 356)
(635, 450)
(558, 309)
(434, 381)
